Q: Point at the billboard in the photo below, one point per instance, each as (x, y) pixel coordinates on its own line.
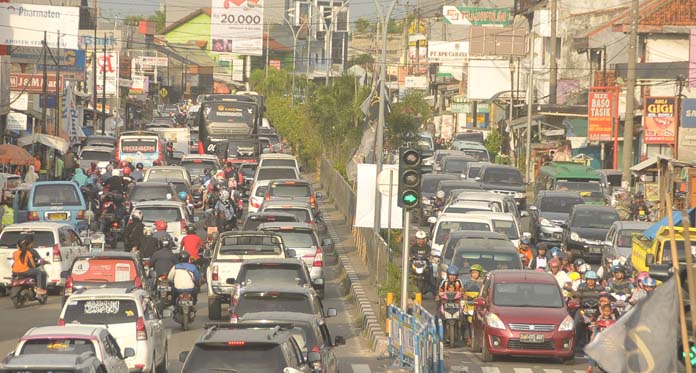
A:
(474, 16)
(487, 77)
(659, 120)
(33, 83)
(236, 26)
(448, 51)
(107, 64)
(601, 111)
(688, 111)
(23, 25)
(109, 38)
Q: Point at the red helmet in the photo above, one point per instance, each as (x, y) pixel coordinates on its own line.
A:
(124, 164)
(126, 171)
(161, 225)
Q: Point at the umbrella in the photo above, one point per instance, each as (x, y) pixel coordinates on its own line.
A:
(15, 155)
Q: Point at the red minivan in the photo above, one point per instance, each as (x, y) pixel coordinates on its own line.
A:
(522, 312)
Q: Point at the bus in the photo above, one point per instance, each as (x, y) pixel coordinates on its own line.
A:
(141, 147)
(571, 177)
(226, 119)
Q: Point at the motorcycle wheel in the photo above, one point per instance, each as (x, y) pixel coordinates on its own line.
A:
(19, 300)
(185, 320)
(42, 298)
(475, 342)
(451, 334)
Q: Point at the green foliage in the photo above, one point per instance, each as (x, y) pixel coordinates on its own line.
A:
(363, 59)
(160, 19)
(395, 27)
(406, 117)
(362, 25)
(493, 143)
(393, 284)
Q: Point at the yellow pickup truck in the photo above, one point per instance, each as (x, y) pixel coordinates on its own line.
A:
(647, 252)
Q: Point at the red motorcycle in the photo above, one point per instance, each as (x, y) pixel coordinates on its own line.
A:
(23, 290)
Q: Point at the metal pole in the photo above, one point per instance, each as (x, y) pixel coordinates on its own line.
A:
(328, 45)
(530, 104)
(103, 119)
(553, 62)
(268, 42)
(44, 88)
(94, 75)
(615, 122)
(389, 214)
(404, 266)
(630, 93)
(59, 111)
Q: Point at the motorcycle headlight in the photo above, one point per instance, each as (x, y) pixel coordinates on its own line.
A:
(493, 321)
(575, 237)
(567, 325)
(426, 201)
(545, 222)
(520, 195)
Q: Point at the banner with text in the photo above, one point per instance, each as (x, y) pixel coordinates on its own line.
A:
(448, 51)
(33, 83)
(24, 25)
(236, 26)
(659, 120)
(107, 65)
(463, 15)
(111, 39)
(601, 111)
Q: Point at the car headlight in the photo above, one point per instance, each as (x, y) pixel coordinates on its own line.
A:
(545, 222)
(567, 325)
(493, 321)
(575, 237)
(520, 195)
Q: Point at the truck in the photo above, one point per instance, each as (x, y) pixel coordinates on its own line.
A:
(179, 138)
(648, 251)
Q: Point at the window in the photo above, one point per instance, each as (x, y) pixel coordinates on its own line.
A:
(527, 295)
(102, 311)
(41, 238)
(56, 195)
(626, 237)
(559, 205)
(246, 357)
(104, 270)
(261, 190)
(168, 214)
(165, 174)
(455, 165)
(279, 163)
(143, 192)
(445, 228)
(273, 302)
(298, 238)
(135, 145)
(302, 215)
(507, 227)
(250, 245)
(594, 219)
(290, 190)
(464, 259)
(271, 274)
(67, 346)
(276, 173)
(502, 176)
(91, 155)
(196, 167)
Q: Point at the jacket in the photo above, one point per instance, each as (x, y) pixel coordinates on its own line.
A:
(148, 246)
(80, 178)
(192, 244)
(623, 287)
(162, 261)
(24, 261)
(584, 292)
(184, 276)
(7, 215)
(134, 232)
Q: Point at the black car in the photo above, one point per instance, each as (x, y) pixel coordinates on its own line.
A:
(504, 180)
(279, 298)
(549, 212)
(586, 229)
(456, 164)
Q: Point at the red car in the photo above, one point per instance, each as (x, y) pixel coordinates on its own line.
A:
(521, 312)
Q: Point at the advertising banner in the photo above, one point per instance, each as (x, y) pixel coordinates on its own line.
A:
(236, 26)
(692, 58)
(112, 41)
(659, 120)
(32, 83)
(468, 16)
(18, 121)
(107, 64)
(688, 111)
(416, 82)
(601, 109)
(687, 144)
(23, 25)
(447, 51)
(70, 61)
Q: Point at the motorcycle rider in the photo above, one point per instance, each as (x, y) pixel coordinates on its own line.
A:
(566, 265)
(184, 277)
(134, 230)
(147, 245)
(191, 243)
(647, 285)
(586, 291)
(475, 281)
(564, 282)
(638, 205)
(439, 200)
(420, 248)
(163, 260)
(525, 251)
(620, 285)
(108, 213)
(161, 233)
(540, 260)
(138, 174)
(225, 211)
(605, 313)
(26, 262)
(127, 178)
(451, 283)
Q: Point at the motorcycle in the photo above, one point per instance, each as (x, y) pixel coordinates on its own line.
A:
(450, 312)
(620, 303)
(23, 290)
(164, 290)
(469, 312)
(184, 311)
(421, 274)
(113, 230)
(588, 311)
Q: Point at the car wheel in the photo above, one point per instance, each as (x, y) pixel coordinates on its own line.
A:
(475, 341)
(486, 355)
(214, 309)
(164, 365)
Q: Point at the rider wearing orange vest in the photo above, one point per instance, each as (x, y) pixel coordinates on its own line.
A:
(26, 261)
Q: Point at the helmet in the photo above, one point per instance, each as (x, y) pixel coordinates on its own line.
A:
(421, 235)
(190, 229)
(184, 256)
(642, 276)
(183, 195)
(618, 268)
(554, 251)
(124, 164)
(574, 276)
(525, 240)
(26, 238)
(579, 262)
(584, 268)
(477, 267)
(440, 194)
(554, 262)
(161, 225)
(156, 162)
(139, 166)
(591, 275)
(126, 171)
(108, 197)
(147, 231)
(452, 270)
(137, 214)
(649, 282)
(224, 195)
(563, 256)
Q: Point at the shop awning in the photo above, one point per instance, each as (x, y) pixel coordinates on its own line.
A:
(51, 141)
(644, 165)
(15, 155)
(676, 215)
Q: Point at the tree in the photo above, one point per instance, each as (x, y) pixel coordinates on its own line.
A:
(406, 118)
(362, 25)
(395, 27)
(362, 59)
(160, 19)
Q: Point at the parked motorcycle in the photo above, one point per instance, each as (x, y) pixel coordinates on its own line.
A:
(23, 290)
(450, 312)
(184, 311)
(420, 270)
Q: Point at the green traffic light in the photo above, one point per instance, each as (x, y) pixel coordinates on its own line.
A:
(692, 356)
(410, 198)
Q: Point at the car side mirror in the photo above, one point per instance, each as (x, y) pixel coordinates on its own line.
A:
(339, 341)
(318, 195)
(432, 220)
(230, 281)
(290, 253)
(331, 312)
(479, 302)
(318, 282)
(183, 355)
(649, 259)
(128, 352)
(313, 357)
(303, 169)
(660, 272)
(573, 305)
(64, 274)
(327, 242)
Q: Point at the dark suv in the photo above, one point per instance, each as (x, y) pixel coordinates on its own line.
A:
(549, 212)
(248, 347)
(504, 180)
(586, 229)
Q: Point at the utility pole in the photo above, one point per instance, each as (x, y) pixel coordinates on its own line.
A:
(630, 93)
(268, 42)
(59, 107)
(530, 103)
(94, 74)
(44, 86)
(553, 63)
(328, 36)
(103, 119)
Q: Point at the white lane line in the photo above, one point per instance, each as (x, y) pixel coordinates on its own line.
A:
(459, 368)
(490, 370)
(361, 368)
(554, 371)
(522, 370)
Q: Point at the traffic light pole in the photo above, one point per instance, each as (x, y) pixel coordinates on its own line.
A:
(405, 257)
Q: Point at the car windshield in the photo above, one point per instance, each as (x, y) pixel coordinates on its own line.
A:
(273, 301)
(455, 165)
(587, 189)
(298, 239)
(56, 195)
(152, 214)
(276, 173)
(464, 210)
(271, 274)
(594, 219)
(57, 346)
(302, 215)
(559, 204)
(506, 227)
(250, 245)
(143, 192)
(614, 180)
(464, 259)
(503, 176)
(261, 190)
(247, 171)
(527, 295)
(239, 358)
(477, 154)
(279, 163)
(41, 238)
(290, 190)
(681, 254)
(100, 311)
(196, 167)
(96, 156)
(103, 270)
(445, 228)
(252, 222)
(165, 174)
(473, 172)
(626, 237)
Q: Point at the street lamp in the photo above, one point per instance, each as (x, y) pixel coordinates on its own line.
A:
(294, 48)
(329, 37)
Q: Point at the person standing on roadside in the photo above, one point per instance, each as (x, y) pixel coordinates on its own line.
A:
(69, 164)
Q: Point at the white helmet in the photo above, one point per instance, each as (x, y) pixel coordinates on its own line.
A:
(421, 235)
(440, 194)
(224, 195)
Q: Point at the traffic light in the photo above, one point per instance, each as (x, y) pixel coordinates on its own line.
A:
(691, 358)
(409, 177)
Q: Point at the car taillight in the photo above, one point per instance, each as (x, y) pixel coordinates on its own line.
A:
(315, 349)
(138, 283)
(318, 258)
(234, 318)
(118, 150)
(115, 224)
(215, 272)
(236, 343)
(254, 203)
(312, 201)
(56, 254)
(68, 288)
(61, 322)
(33, 216)
(201, 148)
(140, 332)
(81, 215)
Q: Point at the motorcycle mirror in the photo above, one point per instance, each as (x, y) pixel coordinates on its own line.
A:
(331, 312)
(128, 352)
(230, 281)
(167, 313)
(339, 341)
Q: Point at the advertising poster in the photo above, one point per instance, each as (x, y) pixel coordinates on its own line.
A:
(23, 25)
(236, 26)
(600, 115)
(107, 64)
(659, 120)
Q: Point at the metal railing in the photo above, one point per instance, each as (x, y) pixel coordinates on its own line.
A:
(416, 340)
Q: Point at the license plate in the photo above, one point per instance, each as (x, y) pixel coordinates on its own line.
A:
(164, 288)
(57, 216)
(451, 305)
(595, 250)
(532, 338)
(185, 302)
(557, 236)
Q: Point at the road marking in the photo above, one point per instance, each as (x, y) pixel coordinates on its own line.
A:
(490, 370)
(523, 370)
(361, 368)
(554, 371)
(459, 368)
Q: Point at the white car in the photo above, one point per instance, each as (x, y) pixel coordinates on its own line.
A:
(74, 340)
(448, 223)
(101, 155)
(279, 160)
(257, 194)
(57, 243)
(166, 173)
(132, 319)
(503, 223)
(173, 212)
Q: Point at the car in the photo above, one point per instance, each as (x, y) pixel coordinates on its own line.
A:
(463, 207)
(150, 191)
(428, 187)
(503, 223)
(253, 220)
(196, 164)
(276, 146)
(257, 194)
(111, 269)
(571, 177)
(101, 155)
(247, 347)
(504, 180)
(167, 173)
(469, 135)
(448, 186)
(436, 159)
(230, 250)
(586, 229)
(619, 239)
(472, 149)
(279, 160)
(549, 212)
(273, 271)
(100, 140)
(522, 312)
(57, 243)
(311, 333)
(292, 189)
(303, 239)
(71, 340)
(275, 172)
(447, 223)
(457, 237)
(473, 170)
(504, 203)
(302, 210)
(490, 252)
(174, 213)
(456, 164)
(57, 202)
(278, 298)
(131, 317)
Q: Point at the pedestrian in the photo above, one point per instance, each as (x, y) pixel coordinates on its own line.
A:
(31, 176)
(80, 178)
(69, 164)
(58, 171)
(37, 163)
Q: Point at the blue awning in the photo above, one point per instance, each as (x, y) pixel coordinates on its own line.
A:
(676, 215)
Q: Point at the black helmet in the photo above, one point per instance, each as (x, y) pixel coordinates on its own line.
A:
(184, 256)
(190, 229)
(139, 166)
(25, 239)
